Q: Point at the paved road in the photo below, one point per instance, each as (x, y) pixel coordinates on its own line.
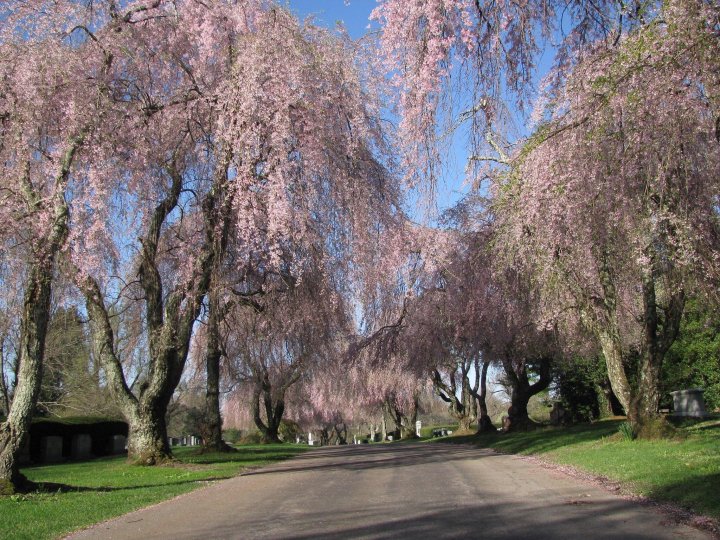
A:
(396, 491)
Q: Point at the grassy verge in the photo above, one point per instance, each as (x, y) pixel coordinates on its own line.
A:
(685, 471)
(78, 494)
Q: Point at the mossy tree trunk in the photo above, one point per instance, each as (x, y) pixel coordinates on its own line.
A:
(516, 376)
(272, 398)
(34, 321)
(213, 440)
(170, 317)
(35, 317)
(660, 325)
(462, 407)
(485, 424)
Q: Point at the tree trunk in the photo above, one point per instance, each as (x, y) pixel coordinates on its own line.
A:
(485, 424)
(147, 438)
(273, 410)
(659, 335)
(213, 440)
(269, 430)
(517, 418)
(170, 319)
(461, 408)
(340, 430)
(396, 419)
(464, 424)
(408, 431)
(660, 329)
(34, 323)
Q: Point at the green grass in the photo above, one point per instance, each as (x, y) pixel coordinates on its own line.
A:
(684, 470)
(84, 493)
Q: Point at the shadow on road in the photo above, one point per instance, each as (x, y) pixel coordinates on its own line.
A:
(360, 457)
(469, 519)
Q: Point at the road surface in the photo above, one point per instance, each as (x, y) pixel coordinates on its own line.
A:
(397, 491)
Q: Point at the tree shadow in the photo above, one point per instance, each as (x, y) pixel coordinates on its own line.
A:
(242, 456)
(606, 518)
(696, 491)
(539, 440)
(57, 487)
(361, 457)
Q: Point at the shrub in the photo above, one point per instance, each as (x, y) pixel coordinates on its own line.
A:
(626, 431)
(232, 435)
(289, 430)
(251, 437)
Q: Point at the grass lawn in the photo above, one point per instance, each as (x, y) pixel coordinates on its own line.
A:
(92, 491)
(685, 471)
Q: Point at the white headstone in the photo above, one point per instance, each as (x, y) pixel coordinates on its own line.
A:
(310, 439)
(418, 427)
(119, 444)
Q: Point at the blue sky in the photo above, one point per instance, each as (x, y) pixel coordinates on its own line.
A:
(354, 14)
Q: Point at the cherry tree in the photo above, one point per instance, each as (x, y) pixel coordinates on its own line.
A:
(173, 129)
(53, 100)
(455, 63)
(276, 342)
(611, 205)
(258, 150)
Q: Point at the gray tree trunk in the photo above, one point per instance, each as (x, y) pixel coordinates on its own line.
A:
(485, 424)
(170, 320)
(517, 418)
(34, 322)
(213, 440)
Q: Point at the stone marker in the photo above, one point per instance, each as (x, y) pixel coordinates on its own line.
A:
(310, 439)
(81, 446)
(51, 449)
(118, 444)
(689, 402)
(418, 426)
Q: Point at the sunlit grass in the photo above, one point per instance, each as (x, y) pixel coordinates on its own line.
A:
(75, 495)
(685, 470)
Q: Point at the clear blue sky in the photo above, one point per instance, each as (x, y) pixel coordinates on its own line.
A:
(354, 14)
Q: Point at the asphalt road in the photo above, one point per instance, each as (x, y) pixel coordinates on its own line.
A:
(397, 491)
